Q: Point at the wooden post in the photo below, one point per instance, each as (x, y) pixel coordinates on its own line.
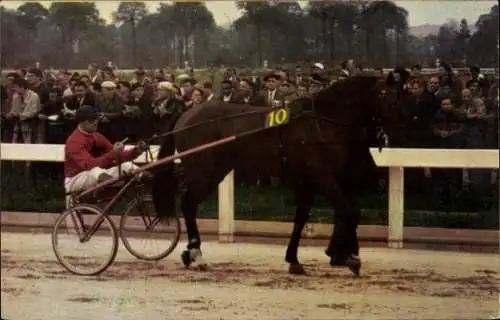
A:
(226, 209)
(396, 207)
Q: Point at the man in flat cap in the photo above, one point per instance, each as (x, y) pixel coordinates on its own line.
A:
(111, 105)
(89, 158)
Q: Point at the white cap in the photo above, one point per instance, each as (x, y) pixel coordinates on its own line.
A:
(319, 66)
(183, 76)
(167, 85)
(108, 85)
(67, 93)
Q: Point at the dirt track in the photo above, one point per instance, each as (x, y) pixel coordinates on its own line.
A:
(248, 281)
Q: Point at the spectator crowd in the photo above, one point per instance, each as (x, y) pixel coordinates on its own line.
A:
(442, 110)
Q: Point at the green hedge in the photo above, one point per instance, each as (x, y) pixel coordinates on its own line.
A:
(252, 203)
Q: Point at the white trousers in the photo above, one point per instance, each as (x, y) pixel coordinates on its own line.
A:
(89, 178)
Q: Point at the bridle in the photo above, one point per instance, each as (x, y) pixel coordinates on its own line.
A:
(382, 137)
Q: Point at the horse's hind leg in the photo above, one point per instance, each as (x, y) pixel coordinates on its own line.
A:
(304, 197)
(343, 249)
(192, 256)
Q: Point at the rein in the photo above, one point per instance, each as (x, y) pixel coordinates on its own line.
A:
(381, 136)
(155, 137)
(211, 121)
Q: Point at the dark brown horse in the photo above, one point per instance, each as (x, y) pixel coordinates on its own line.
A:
(323, 149)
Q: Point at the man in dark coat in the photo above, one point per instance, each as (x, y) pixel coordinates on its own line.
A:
(273, 95)
(82, 97)
(229, 94)
(249, 95)
(138, 113)
(416, 115)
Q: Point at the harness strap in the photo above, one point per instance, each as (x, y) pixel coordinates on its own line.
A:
(281, 151)
(316, 123)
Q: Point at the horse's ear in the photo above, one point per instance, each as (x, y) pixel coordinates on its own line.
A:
(390, 80)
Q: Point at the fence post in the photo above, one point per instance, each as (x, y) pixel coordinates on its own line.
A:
(226, 208)
(396, 207)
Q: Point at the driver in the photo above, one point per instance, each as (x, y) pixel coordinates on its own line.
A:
(89, 157)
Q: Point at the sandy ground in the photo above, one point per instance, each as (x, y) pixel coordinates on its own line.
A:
(248, 281)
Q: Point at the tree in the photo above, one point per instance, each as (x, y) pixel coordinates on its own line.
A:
(348, 20)
(461, 41)
(318, 11)
(291, 30)
(29, 16)
(379, 17)
(259, 15)
(483, 44)
(131, 13)
(11, 44)
(74, 20)
(191, 23)
(375, 33)
(445, 42)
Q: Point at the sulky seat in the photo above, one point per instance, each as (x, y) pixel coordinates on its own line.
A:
(98, 196)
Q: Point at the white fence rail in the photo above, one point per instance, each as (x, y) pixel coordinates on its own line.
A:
(395, 159)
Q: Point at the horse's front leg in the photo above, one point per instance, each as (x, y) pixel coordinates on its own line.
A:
(192, 257)
(305, 199)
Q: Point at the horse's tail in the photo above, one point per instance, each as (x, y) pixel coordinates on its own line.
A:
(165, 184)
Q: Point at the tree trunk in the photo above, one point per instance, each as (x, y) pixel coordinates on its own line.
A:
(165, 54)
(324, 31)
(398, 57)
(194, 52)
(134, 43)
(332, 40)
(385, 57)
(185, 45)
(368, 44)
(180, 49)
(259, 44)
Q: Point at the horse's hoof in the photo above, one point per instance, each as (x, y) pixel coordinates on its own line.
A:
(336, 262)
(296, 268)
(353, 262)
(186, 258)
(202, 267)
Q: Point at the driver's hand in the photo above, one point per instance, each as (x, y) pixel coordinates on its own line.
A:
(141, 146)
(118, 146)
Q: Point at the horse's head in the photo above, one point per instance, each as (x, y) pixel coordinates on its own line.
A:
(385, 110)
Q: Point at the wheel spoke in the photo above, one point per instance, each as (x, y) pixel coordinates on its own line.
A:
(104, 240)
(152, 240)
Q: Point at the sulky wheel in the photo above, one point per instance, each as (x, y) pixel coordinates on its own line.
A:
(79, 254)
(144, 235)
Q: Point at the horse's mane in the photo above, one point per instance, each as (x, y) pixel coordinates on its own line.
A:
(347, 89)
(344, 101)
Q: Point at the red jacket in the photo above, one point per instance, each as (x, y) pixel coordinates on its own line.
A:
(84, 151)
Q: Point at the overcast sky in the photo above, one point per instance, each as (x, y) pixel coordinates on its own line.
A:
(420, 11)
